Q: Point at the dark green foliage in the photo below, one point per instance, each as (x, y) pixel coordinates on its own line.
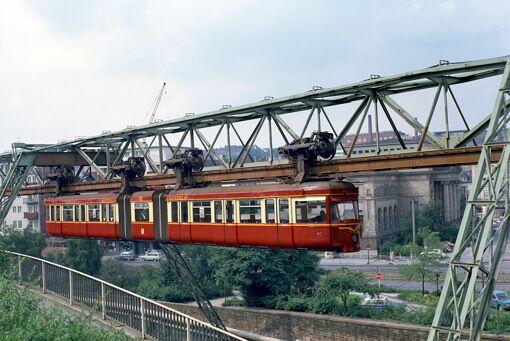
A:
(262, 274)
(83, 255)
(341, 283)
(24, 241)
(24, 317)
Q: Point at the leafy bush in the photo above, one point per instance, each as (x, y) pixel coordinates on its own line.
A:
(427, 299)
(23, 317)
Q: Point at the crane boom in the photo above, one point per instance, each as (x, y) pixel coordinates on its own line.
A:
(156, 103)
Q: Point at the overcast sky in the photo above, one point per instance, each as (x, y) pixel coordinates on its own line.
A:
(76, 68)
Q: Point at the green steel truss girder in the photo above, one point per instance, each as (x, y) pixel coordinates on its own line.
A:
(14, 179)
(368, 95)
(482, 235)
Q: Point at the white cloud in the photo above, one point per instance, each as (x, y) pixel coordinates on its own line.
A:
(70, 69)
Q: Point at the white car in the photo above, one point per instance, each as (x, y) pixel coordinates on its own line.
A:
(151, 256)
(375, 302)
(433, 253)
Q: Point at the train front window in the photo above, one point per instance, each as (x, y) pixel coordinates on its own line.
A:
(67, 212)
(141, 211)
(250, 211)
(343, 210)
(310, 211)
(93, 212)
(201, 211)
(218, 212)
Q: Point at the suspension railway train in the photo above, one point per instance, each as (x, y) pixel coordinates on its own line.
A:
(315, 215)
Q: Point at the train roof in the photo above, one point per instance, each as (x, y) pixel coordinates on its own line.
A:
(274, 189)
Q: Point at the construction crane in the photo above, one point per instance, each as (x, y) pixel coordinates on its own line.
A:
(157, 100)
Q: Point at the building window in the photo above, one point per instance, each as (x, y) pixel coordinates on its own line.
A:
(385, 224)
(379, 219)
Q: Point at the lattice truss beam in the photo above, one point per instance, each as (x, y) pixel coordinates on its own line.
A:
(482, 237)
(270, 117)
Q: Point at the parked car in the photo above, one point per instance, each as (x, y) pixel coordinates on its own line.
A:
(151, 256)
(500, 300)
(126, 255)
(375, 302)
(433, 253)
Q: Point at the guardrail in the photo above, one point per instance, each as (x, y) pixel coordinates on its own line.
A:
(149, 317)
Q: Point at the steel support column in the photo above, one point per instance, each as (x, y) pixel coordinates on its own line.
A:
(476, 236)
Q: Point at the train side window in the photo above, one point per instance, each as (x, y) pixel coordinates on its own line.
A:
(48, 213)
(82, 211)
(218, 211)
(94, 212)
(175, 212)
(57, 213)
(76, 212)
(283, 211)
(103, 212)
(52, 213)
(270, 211)
(230, 212)
(111, 212)
(310, 211)
(141, 211)
(184, 211)
(67, 212)
(250, 211)
(201, 211)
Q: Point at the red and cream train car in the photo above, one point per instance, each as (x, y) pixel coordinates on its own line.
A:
(316, 215)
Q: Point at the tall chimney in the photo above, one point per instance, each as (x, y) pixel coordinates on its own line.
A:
(370, 132)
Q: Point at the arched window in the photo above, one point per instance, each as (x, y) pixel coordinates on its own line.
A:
(390, 219)
(379, 219)
(395, 219)
(385, 226)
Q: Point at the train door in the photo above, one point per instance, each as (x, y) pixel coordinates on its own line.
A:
(285, 228)
(53, 225)
(124, 202)
(160, 210)
(184, 225)
(230, 223)
(142, 223)
(174, 234)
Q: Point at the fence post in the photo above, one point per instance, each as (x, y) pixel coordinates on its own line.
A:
(103, 301)
(142, 315)
(188, 330)
(70, 287)
(43, 275)
(19, 269)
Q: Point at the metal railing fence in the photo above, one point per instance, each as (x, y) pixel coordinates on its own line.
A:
(150, 318)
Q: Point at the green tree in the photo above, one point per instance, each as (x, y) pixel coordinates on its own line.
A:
(341, 283)
(83, 255)
(427, 264)
(263, 275)
(24, 241)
